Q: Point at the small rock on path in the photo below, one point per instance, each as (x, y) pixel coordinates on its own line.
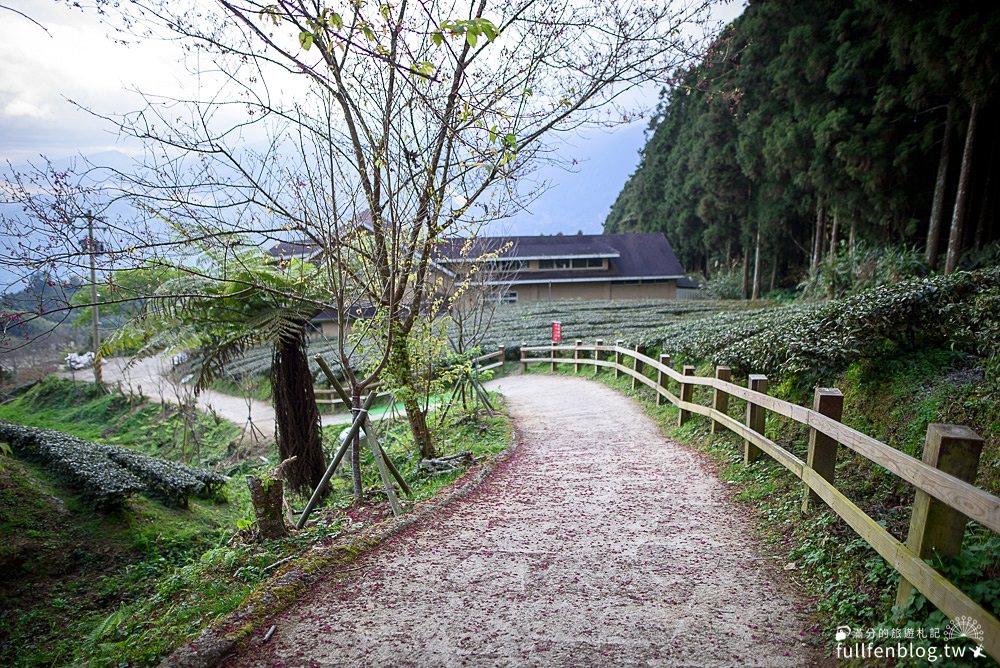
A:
(597, 543)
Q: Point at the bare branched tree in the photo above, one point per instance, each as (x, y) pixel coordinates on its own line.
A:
(370, 131)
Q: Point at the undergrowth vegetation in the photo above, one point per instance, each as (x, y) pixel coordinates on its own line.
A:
(809, 342)
(127, 585)
(107, 475)
(160, 430)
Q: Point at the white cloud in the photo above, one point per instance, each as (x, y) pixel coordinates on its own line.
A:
(21, 107)
(76, 60)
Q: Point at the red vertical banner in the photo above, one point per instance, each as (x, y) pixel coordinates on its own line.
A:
(556, 331)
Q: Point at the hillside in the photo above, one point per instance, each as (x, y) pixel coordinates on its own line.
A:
(816, 128)
(104, 563)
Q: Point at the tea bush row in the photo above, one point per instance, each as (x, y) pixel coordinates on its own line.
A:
(105, 474)
(812, 341)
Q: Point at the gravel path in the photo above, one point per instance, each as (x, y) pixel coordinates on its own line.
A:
(598, 543)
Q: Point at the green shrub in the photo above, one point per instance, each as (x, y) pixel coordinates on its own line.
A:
(863, 267)
(86, 468)
(105, 474)
(812, 341)
(725, 284)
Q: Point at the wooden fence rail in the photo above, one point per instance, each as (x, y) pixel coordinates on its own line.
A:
(945, 495)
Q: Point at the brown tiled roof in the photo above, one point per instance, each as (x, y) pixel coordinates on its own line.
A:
(287, 249)
(632, 256)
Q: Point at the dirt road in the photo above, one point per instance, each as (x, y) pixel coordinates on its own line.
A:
(598, 543)
(150, 375)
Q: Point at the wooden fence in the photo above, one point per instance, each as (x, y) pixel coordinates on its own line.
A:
(945, 497)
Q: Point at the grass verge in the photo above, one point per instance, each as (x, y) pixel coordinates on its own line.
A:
(161, 430)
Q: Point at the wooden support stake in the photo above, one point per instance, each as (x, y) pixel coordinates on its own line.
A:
(720, 399)
(355, 427)
(661, 379)
(936, 528)
(687, 392)
(637, 366)
(822, 455)
(397, 475)
(503, 356)
(383, 470)
(524, 363)
(755, 417)
(597, 356)
(332, 379)
(553, 354)
(576, 355)
(618, 358)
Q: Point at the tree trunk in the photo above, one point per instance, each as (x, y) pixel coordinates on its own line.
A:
(417, 417)
(940, 186)
(831, 254)
(296, 415)
(746, 275)
(852, 236)
(984, 214)
(818, 238)
(756, 267)
(958, 217)
(267, 498)
(774, 273)
(356, 451)
(401, 371)
(983, 222)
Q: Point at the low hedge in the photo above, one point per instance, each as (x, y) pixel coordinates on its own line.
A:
(812, 341)
(106, 475)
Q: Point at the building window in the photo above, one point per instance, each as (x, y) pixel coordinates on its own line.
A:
(580, 263)
(511, 265)
(508, 297)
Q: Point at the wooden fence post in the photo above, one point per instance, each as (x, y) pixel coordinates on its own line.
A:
(755, 417)
(618, 358)
(636, 366)
(597, 356)
(687, 392)
(503, 356)
(822, 455)
(524, 363)
(576, 355)
(661, 379)
(720, 399)
(552, 354)
(934, 526)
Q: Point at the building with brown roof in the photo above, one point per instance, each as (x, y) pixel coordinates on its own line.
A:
(581, 266)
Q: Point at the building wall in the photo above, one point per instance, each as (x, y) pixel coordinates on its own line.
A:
(329, 329)
(665, 290)
(595, 290)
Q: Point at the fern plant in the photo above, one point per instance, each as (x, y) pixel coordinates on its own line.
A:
(229, 303)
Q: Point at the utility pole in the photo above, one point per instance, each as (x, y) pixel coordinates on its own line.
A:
(96, 317)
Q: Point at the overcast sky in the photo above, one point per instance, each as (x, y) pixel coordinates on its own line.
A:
(40, 72)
